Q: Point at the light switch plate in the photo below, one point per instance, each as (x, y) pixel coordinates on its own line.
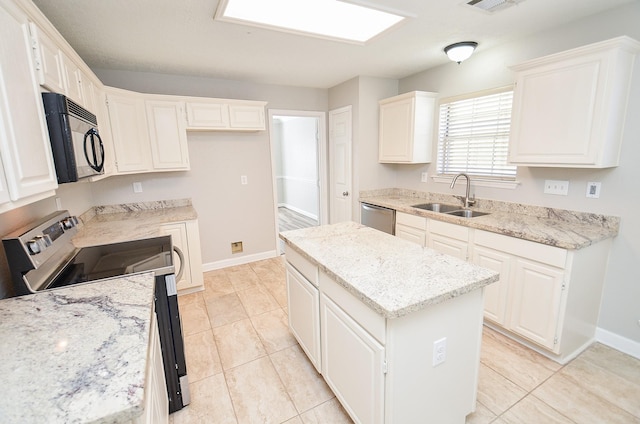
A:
(556, 187)
(424, 177)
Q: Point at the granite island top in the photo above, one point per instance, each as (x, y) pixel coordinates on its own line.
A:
(392, 276)
(76, 354)
(554, 227)
(132, 221)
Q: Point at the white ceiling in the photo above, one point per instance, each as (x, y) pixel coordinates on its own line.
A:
(181, 37)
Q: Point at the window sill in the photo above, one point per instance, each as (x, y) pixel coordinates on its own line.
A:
(480, 182)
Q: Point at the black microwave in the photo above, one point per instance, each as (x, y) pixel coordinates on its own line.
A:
(76, 145)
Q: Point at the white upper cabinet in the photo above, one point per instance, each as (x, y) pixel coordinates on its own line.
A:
(569, 108)
(148, 132)
(167, 134)
(48, 61)
(225, 115)
(207, 115)
(128, 119)
(406, 128)
(25, 151)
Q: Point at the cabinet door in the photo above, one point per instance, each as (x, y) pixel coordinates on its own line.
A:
(248, 117)
(448, 246)
(415, 235)
(495, 295)
(167, 134)
(25, 150)
(352, 364)
(129, 132)
(396, 131)
(48, 61)
(535, 302)
(569, 108)
(303, 301)
(209, 115)
(73, 80)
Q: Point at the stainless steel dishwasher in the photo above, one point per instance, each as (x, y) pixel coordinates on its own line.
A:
(383, 219)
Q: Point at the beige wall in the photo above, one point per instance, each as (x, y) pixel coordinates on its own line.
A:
(620, 310)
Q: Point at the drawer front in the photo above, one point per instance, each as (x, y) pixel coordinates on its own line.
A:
(411, 220)
(366, 317)
(454, 231)
(538, 252)
(303, 265)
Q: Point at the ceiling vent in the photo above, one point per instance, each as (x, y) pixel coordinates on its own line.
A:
(491, 6)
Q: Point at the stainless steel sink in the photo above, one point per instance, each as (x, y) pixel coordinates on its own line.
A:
(467, 213)
(437, 207)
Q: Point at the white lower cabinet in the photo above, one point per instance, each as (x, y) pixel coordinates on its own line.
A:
(547, 297)
(447, 238)
(186, 237)
(412, 228)
(156, 403)
(381, 370)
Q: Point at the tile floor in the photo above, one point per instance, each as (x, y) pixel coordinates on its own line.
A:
(245, 367)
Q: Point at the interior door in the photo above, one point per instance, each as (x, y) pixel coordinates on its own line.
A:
(340, 165)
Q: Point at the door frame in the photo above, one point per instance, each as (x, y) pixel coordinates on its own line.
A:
(323, 203)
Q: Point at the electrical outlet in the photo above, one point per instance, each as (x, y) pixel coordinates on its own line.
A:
(137, 187)
(556, 187)
(424, 177)
(236, 247)
(593, 190)
(439, 351)
(243, 180)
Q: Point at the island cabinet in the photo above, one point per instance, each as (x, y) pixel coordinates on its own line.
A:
(546, 296)
(27, 173)
(406, 128)
(569, 108)
(386, 369)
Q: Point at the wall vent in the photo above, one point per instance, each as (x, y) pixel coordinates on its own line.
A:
(491, 6)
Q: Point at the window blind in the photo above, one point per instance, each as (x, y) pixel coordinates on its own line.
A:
(473, 136)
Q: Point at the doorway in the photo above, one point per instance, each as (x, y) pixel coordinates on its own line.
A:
(298, 156)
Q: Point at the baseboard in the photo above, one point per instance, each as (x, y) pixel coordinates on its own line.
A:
(241, 260)
(628, 346)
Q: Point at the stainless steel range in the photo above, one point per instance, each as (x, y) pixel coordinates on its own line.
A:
(42, 256)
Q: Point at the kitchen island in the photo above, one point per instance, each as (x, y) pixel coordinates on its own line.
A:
(394, 328)
(80, 354)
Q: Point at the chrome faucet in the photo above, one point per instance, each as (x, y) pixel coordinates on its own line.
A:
(467, 201)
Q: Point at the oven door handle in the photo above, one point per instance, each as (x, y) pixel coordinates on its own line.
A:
(182, 264)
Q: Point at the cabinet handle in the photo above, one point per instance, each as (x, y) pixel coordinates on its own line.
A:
(345, 193)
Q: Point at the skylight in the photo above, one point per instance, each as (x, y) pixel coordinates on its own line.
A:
(319, 18)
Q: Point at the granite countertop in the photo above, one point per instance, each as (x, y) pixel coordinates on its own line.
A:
(392, 276)
(554, 227)
(76, 354)
(132, 221)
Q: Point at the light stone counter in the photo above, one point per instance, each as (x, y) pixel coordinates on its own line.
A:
(118, 223)
(554, 227)
(76, 354)
(392, 276)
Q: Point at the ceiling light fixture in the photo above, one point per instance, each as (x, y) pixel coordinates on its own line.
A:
(333, 19)
(459, 52)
